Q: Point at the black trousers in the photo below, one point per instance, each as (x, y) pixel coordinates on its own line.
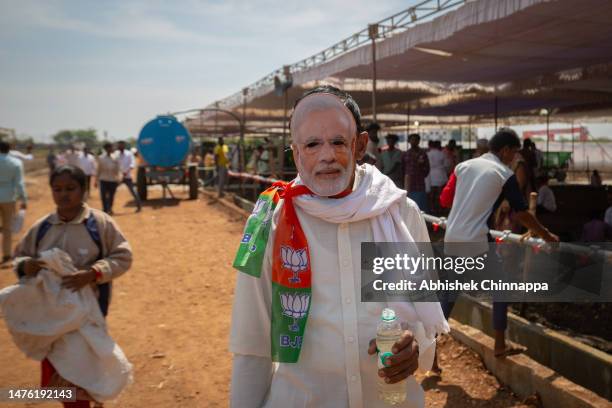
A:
(130, 185)
(107, 195)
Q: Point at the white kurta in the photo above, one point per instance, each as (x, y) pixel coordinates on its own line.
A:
(438, 167)
(546, 198)
(334, 369)
(88, 163)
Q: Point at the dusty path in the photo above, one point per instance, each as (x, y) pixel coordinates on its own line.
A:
(170, 313)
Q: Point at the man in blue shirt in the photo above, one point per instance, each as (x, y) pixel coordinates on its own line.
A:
(11, 189)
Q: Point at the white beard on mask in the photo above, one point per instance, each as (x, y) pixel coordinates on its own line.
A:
(329, 187)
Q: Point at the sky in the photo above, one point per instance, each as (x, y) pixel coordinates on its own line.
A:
(114, 65)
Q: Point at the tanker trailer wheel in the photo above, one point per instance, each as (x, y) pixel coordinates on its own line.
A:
(141, 183)
(193, 182)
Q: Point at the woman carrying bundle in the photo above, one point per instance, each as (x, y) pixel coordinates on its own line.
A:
(93, 240)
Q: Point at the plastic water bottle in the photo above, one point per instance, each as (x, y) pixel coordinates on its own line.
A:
(388, 332)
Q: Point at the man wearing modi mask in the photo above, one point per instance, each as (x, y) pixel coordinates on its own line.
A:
(300, 335)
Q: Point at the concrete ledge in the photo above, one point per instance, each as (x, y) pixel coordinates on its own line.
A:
(582, 364)
(525, 376)
(228, 202)
(243, 203)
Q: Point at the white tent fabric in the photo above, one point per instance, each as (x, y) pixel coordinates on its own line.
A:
(66, 327)
(529, 53)
(488, 41)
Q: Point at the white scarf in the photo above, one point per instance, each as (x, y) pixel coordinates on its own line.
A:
(377, 198)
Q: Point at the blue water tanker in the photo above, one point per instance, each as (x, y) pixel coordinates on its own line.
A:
(164, 145)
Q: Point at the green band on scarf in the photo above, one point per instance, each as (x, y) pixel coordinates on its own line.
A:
(249, 257)
(290, 309)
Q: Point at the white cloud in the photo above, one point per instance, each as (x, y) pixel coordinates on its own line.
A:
(123, 22)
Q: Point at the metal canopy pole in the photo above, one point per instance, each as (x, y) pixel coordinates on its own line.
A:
(241, 150)
(407, 122)
(245, 92)
(573, 158)
(547, 136)
(373, 33)
(496, 112)
(201, 135)
(398, 22)
(281, 159)
(217, 119)
(470, 132)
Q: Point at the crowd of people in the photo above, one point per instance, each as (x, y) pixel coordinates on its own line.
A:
(112, 167)
(424, 172)
(421, 172)
(220, 159)
(107, 172)
(215, 163)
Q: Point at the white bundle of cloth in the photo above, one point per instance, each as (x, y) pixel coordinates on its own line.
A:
(66, 327)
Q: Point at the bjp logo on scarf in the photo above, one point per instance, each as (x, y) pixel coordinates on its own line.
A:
(295, 260)
(295, 305)
(258, 207)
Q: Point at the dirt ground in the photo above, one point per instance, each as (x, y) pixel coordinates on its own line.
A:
(171, 312)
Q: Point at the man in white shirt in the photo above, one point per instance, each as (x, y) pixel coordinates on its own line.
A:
(72, 157)
(23, 156)
(262, 161)
(87, 163)
(608, 215)
(439, 166)
(126, 161)
(108, 175)
(336, 206)
(475, 189)
(372, 155)
(546, 198)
